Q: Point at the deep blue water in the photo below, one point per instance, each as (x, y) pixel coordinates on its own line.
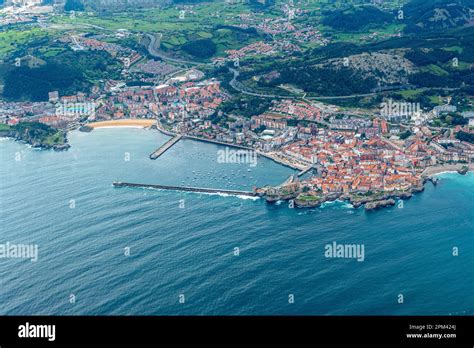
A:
(190, 250)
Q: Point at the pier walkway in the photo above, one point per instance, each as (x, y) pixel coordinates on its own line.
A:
(186, 188)
(166, 146)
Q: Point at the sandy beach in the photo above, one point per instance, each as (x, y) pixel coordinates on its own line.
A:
(141, 123)
(446, 168)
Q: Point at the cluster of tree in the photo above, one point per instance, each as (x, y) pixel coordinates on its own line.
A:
(34, 129)
(251, 30)
(420, 57)
(357, 18)
(138, 83)
(426, 79)
(24, 83)
(94, 65)
(203, 48)
(453, 119)
(245, 105)
(324, 81)
(67, 73)
(405, 134)
(74, 5)
(38, 134)
(236, 36)
(455, 79)
(368, 102)
(467, 54)
(464, 136)
(261, 4)
(462, 37)
(420, 14)
(336, 50)
(424, 98)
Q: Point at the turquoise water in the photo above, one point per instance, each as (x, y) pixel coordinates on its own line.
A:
(190, 250)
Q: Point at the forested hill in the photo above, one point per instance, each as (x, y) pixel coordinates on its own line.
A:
(426, 15)
(357, 18)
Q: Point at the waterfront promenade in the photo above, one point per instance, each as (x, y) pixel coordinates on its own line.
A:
(283, 161)
(212, 141)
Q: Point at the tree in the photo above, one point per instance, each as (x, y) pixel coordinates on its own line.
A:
(74, 5)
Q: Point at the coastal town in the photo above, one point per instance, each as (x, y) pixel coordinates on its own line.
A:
(369, 156)
(362, 159)
(302, 159)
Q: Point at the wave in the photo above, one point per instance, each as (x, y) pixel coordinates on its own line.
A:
(228, 195)
(221, 194)
(446, 172)
(337, 204)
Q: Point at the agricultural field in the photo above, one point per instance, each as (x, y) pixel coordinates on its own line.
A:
(15, 39)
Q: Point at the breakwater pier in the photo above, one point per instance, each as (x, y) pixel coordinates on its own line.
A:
(165, 147)
(186, 189)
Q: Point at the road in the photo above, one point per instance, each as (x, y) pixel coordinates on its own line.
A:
(152, 49)
(239, 87)
(234, 83)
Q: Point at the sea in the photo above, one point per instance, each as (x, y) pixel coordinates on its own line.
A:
(104, 250)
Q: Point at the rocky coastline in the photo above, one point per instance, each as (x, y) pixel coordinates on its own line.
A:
(43, 138)
(370, 201)
(379, 204)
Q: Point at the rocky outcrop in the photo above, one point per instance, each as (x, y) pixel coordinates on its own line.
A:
(379, 204)
(282, 197)
(85, 129)
(309, 203)
(38, 136)
(60, 147)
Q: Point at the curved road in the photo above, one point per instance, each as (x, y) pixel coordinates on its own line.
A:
(238, 86)
(152, 50)
(156, 53)
(234, 83)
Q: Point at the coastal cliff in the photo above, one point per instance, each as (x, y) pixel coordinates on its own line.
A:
(379, 204)
(38, 135)
(304, 198)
